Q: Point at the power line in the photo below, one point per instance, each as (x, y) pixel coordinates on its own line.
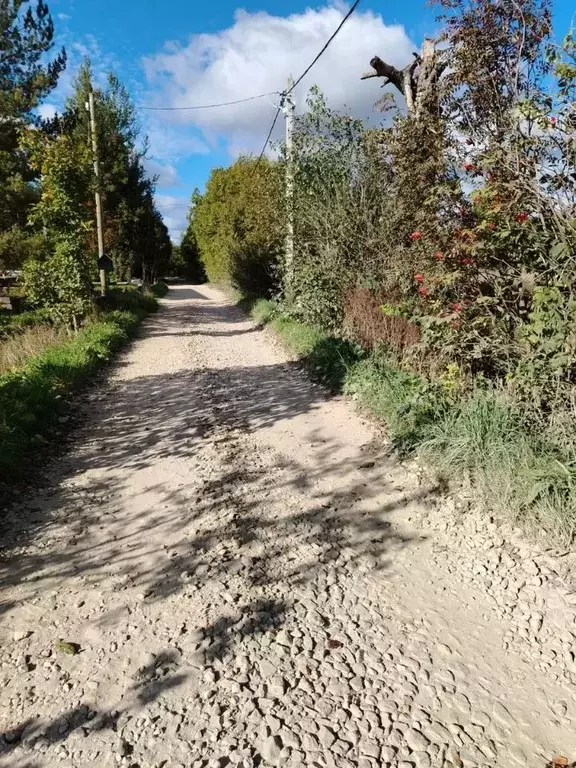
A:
(338, 28)
(210, 106)
(260, 156)
(285, 93)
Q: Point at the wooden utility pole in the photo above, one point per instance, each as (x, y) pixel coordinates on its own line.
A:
(288, 108)
(103, 273)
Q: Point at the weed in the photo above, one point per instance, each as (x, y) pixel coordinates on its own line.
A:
(13, 323)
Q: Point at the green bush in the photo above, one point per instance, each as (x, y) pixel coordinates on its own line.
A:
(237, 225)
(32, 399)
(160, 289)
(131, 300)
(262, 310)
(402, 400)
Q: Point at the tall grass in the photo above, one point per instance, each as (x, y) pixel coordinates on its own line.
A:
(11, 323)
(16, 349)
(520, 468)
(514, 470)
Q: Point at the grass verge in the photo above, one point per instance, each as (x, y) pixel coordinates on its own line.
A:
(34, 397)
(519, 469)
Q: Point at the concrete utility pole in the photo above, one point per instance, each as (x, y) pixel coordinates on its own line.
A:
(288, 108)
(103, 274)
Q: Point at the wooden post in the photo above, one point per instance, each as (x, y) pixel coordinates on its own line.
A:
(288, 108)
(90, 108)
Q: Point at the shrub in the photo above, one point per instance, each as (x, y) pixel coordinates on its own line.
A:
(365, 321)
(131, 300)
(160, 289)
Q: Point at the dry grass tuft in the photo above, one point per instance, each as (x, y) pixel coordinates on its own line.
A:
(16, 350)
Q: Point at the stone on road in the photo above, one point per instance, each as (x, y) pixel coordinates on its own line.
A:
(247, 578)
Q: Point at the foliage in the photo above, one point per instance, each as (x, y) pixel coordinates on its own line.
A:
(131, 300)
(519, 467)
(135, 236)
(185, 261)
(27, 75)
(58, 245)
(33, 398)
(17, 244)
(160, 289)
(341, 212)
(11, 323)
(61, 282)
(238, 225)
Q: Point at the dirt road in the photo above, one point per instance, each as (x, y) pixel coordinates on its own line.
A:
(244, 577)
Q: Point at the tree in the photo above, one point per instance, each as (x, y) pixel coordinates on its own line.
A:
(26, 77)
(61, 280)
(417, 81)
(186, 262)
(238, 224)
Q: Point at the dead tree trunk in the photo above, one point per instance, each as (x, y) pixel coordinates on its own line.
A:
(417, 82)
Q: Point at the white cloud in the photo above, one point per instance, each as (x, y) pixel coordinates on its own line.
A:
(64, 16)
(256, 55)
(166, 175)
(46, 111)
(173, 209)
(170, 143)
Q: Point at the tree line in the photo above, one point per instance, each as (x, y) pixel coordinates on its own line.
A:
(47, 183)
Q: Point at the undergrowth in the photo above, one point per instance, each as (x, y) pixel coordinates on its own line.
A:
(34, 397)
(517, 468)
(159, 289)
(16, 349)
(11, 323)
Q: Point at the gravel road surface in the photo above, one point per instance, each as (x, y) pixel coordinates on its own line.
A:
(227, 568)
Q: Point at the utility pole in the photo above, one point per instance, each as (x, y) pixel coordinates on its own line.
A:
(103, 274)
(288, 108)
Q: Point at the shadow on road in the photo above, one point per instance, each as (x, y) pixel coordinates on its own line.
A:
(239, 518)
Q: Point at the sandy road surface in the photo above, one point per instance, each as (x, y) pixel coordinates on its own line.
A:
(250, 580)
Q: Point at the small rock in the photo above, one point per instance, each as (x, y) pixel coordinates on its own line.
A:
(271, 750)
(388, 754)
(416, 740)
(21, 635)
(326, 737)
(501, 713)
(422, 759)
(267, 669)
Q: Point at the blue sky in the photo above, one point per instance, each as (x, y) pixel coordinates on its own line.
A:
(180, 53)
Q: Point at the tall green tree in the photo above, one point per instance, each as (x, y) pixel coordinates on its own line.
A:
(238, 224)
(27, 75)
